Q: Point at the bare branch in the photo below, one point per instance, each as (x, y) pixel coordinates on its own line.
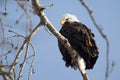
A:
(17, 21)
(14, 74)
(8, 52)
(17, 34)
(38, 9)
(47, 30)
(102, 34)
(112, 68)
(4, 73)
(31, 71)
(25, 58)
(27, 40)
(23, 63)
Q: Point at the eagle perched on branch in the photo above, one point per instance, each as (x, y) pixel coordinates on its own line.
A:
(81, 39)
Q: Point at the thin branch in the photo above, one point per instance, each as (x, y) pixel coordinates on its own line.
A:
(25, 58)
(112, 67)
(17, 34)
(25, 8)
(31, 71)
(17, 21)
(27, 40)
(3, 37)
(3, 73)
(47, 30)
(2, 27)
(102, 34)
(5, 54)
(21, 5)
(23, 63)
(38, 9)
(14, 74)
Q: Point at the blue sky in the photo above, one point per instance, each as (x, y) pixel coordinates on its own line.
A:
(49, 64)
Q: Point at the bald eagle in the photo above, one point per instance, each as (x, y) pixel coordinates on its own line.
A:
(81, 39)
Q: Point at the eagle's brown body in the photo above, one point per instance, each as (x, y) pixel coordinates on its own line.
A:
(81, 39)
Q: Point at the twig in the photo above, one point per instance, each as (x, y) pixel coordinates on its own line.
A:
(47, 30)
(5, 54)
(102, 34)
(3, 37)
(112, 67)
(21, 5)
(2, 27)
(25, 8)
(32, 63)
(14, 74)
(17, 34)
(4, 73)
(23, 63)
(17, 21)
(38, 9)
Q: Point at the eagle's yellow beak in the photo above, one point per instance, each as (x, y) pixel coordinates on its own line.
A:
(62, 21)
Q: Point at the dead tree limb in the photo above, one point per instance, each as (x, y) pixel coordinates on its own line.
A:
(102, 34)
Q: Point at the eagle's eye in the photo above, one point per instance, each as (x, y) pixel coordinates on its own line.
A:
(67, 19)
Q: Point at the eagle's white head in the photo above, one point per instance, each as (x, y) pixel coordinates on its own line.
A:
(69, 18)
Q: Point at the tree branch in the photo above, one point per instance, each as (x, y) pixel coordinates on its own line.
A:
(27, 40)
(38, 9)
(23, 63)
(102, 34)
(31, 70)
